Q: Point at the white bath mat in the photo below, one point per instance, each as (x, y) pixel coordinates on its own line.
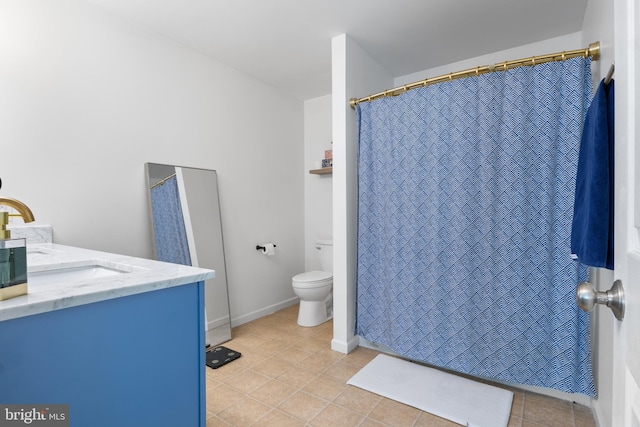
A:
(460, 400)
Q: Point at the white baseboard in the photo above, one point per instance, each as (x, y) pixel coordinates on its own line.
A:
(601, 420)
(237, 321)
(345, 347)
(216, 323)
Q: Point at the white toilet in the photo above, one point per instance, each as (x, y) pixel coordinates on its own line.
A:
(314, 289)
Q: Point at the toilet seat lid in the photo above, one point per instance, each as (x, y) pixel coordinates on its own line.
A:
(313, 276)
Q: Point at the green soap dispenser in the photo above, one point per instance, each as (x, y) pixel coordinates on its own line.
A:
(13, 253)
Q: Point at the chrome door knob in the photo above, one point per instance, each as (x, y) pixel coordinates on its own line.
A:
(588, 297)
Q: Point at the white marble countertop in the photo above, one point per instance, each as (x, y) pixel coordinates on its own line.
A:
(129, 276)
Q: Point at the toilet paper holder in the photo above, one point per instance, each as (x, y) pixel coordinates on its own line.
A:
(262, 248)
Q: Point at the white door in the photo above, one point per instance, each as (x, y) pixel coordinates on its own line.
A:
(626, 334)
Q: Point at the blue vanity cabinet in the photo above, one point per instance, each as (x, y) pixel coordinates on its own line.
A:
(136, 361)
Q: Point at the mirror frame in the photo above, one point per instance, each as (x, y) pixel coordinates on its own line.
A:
(200, 205)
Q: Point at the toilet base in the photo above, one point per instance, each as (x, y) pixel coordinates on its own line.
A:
(314, 313)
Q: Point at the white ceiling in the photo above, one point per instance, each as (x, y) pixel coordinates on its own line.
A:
(287, 43)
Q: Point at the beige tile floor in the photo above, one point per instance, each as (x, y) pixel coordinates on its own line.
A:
(289, 376)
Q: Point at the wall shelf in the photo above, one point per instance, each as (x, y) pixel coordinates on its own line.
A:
(322, 171)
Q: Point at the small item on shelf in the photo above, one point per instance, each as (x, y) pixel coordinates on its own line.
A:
(324, 166)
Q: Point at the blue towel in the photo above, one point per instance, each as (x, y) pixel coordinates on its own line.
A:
(592, 228)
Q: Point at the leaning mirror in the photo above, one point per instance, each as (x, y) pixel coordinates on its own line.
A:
(186, 229)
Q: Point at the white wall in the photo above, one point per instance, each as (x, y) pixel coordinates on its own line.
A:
(354, 75)
(318, 203)
(87, 99)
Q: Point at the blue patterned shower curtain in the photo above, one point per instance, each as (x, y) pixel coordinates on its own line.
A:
(466, 193)
(168, 224)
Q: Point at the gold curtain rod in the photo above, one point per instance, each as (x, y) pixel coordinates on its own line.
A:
(159, 183)
(592, 51)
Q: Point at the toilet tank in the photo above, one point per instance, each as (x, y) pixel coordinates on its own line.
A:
(325, 254)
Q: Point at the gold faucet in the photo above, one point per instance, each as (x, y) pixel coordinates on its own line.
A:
(23, 211)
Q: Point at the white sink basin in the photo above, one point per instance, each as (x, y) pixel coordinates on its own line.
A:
(89, 270)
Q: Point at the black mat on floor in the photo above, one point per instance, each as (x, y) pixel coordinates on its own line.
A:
(218, 356)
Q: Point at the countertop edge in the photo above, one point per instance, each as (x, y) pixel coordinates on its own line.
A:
(147, 276)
